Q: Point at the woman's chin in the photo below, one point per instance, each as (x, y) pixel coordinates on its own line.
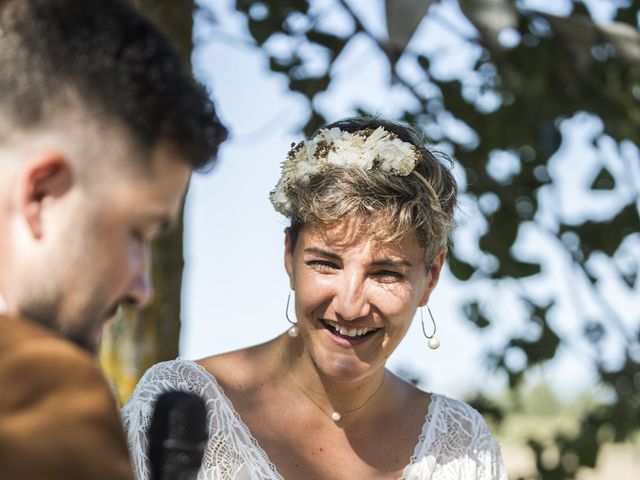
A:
(341, 359)
(341, 368)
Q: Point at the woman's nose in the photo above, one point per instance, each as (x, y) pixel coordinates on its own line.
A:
(350, 301)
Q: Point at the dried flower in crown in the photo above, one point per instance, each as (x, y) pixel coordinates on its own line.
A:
(365, 149)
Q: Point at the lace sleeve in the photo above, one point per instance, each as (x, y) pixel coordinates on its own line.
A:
(231, 453)
(137, 413)
(490, 463)
(455, 443)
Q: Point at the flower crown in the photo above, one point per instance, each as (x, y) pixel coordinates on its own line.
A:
(366, 149)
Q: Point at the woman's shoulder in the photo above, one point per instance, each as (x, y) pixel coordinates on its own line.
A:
(459, 419)
(220, 364)
(244, 367)
(179, 374)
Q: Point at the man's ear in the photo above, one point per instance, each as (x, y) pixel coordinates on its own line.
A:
(434, 271)
(288, 255)
(45, 177)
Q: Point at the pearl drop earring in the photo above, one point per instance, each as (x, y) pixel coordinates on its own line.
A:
(433, 341)
(293, 331)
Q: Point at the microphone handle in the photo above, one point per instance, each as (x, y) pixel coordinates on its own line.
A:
(180, 463)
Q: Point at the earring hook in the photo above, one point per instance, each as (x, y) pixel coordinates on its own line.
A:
(293, 331)
(433, 341)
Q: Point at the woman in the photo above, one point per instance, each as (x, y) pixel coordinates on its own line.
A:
(370, 210)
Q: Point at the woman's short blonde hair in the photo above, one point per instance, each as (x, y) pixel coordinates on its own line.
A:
(389, 206)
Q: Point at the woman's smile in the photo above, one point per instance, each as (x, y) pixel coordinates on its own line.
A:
(348, 335)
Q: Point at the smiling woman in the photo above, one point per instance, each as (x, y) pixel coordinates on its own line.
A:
(371, 210)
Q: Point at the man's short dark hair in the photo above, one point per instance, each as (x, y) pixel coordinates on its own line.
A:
(114, 61)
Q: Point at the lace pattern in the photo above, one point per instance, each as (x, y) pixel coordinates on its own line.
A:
(455, 442)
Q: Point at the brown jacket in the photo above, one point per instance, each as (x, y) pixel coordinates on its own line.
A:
(58, 419)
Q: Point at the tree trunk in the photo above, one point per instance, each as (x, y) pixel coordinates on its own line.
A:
(134, 341)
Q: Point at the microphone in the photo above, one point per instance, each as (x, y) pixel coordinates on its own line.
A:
(177, 436)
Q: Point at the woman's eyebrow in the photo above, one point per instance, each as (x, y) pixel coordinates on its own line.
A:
(390, 262)
(322, 253)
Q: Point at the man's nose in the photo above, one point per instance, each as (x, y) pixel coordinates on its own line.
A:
(140, 290)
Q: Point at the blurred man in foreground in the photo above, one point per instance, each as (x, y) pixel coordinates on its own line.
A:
(100, 128)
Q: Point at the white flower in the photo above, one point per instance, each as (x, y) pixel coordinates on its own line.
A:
(279, 198)
(310, 148)
(349, 152)
(396, 156)
(332, 134)
(304, 170)
(350, 156)
(378, 135)
(380, 149)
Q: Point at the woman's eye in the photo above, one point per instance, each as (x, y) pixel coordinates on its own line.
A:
(321, 265)
(388, 275)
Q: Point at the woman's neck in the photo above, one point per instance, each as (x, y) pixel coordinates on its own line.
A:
(339, 400)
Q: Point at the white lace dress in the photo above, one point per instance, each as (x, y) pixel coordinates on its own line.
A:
(455, 442)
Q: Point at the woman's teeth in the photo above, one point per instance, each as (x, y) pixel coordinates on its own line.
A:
(349, 332)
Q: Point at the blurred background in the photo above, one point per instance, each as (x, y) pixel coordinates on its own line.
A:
(538, 102)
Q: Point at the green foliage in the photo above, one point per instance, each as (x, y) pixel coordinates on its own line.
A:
(604, 181)
(560, 66)
(593, 237)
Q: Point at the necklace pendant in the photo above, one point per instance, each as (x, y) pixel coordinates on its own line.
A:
(335, 416)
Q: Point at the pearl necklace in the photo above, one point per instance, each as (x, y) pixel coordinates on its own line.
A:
(335, 415)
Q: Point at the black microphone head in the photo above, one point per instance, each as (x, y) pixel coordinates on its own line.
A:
(177, 434)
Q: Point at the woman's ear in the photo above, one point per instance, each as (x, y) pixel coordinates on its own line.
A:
(288, 256)
(45, 178)
(434, 274)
